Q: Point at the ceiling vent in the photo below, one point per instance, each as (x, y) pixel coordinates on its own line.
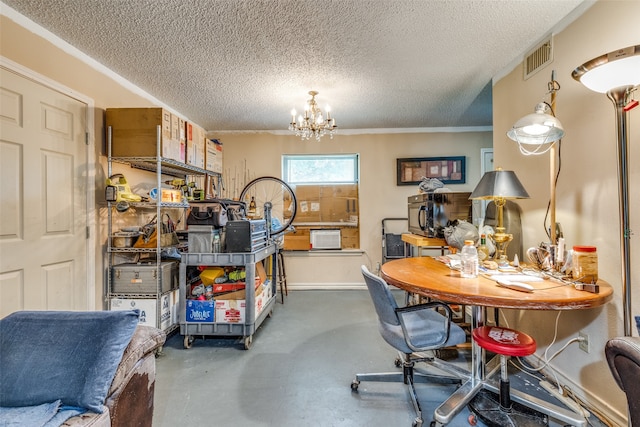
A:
(538, 58)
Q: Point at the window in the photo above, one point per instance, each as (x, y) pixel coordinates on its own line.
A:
(326, 188)
(320, 169)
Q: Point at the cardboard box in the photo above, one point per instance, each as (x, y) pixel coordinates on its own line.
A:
(171, 196)
(189, 130)
(231, 308)
(200, 311)
(148, 310)
(209, 154)
(213, 155)
(182, 141)
(350, 238)
(134, 132)
(217, 163)
(195, 145)
(230, 311)
(240, 294)
(327, 203)
(308, 210)
(175, 305)
(297, 240)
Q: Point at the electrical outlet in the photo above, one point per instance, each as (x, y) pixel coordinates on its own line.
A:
(584, 341)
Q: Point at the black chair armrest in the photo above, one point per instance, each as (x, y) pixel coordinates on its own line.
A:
(404, 312)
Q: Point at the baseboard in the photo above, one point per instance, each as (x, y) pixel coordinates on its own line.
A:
(325, 286)
(598, 404)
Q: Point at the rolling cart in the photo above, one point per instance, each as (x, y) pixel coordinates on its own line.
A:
(239, 318)
(392, 245)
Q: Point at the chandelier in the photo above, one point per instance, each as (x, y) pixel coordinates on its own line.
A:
(313, 123)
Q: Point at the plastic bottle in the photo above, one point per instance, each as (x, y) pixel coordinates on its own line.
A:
(483, 250)
(216, 243)
(469, 258)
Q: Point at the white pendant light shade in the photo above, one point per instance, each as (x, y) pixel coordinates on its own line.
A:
(614, 69)
(537, 128)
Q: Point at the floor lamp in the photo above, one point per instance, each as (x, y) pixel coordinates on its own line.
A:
(537, 134)
(617, 74)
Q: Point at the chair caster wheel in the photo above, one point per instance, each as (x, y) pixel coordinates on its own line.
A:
(472, 419)
(397, 362)
(354, 385)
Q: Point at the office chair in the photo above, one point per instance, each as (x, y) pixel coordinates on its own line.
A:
(623, 356)
(410, 329)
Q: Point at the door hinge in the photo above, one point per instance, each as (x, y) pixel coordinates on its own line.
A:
(86, 138)
(88, 232)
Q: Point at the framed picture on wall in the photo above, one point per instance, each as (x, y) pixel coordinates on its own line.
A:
(449, 170)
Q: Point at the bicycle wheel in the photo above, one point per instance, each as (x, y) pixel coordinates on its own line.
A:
(275, 194)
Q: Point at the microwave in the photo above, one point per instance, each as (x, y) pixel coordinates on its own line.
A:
(430, 213)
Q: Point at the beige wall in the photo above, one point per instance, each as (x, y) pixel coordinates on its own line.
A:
(379, 196)
(587, 191)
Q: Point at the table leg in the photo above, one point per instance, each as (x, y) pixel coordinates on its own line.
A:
(461, 397)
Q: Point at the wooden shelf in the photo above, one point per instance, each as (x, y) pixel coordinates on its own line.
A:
(424, 242)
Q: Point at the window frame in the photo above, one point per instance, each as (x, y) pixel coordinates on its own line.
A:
(288, 158)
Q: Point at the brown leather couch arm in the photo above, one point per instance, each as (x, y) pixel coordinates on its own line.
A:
(130, 399)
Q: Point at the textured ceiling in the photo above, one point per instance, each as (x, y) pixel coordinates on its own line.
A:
(244, 64)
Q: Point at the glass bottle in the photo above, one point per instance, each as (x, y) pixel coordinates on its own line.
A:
(483, 250)
(585, 264)
(252, 206)
(469, 260)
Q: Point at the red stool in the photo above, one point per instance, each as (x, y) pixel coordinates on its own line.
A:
(501, 411)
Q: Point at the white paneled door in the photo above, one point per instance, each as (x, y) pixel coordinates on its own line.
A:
(43, 192)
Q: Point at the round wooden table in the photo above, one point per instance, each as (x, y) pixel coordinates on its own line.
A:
(432, 278)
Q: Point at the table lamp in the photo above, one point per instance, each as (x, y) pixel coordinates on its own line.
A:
(500, 185)
(617, 74)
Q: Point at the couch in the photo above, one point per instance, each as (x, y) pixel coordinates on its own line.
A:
(80, 368)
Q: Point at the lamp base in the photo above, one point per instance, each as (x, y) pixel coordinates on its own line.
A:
(501, 240)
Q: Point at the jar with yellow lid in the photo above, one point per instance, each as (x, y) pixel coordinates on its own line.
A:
(585, 264)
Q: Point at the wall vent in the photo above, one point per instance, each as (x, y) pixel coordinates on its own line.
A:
(538, 58)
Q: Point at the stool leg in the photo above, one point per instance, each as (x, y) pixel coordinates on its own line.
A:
(282, 277)
(505, 389)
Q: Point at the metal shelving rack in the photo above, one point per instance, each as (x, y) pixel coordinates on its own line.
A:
(160, 166)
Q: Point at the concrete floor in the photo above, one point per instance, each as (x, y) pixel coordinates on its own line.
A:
(298, 372)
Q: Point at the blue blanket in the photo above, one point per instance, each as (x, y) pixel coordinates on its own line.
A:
(46, 415)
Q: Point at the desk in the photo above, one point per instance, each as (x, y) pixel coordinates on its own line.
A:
(428, 277)
(424, 242)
